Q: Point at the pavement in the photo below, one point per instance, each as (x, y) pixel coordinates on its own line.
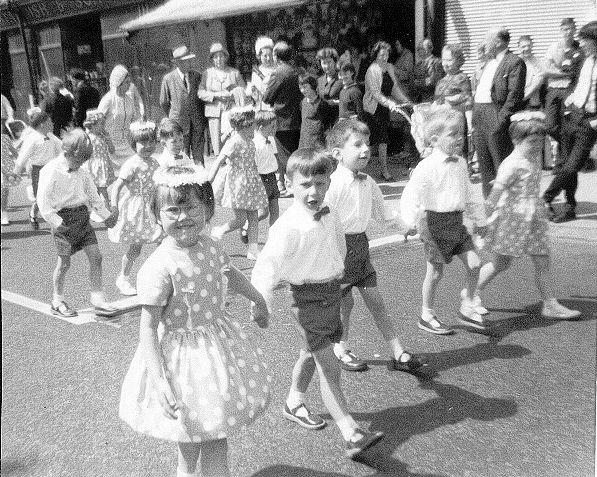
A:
(516, 401)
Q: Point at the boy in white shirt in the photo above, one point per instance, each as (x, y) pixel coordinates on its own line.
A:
(306, 248)
(357, 198)
(172, 138)
(440, 190)
(65, 194)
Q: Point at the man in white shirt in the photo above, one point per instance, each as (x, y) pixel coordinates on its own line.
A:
(579, 132)
(65, 194)
(499, 94)
(535, 76)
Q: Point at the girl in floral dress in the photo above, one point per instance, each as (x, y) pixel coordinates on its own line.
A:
(99, 164)
(518, 222)
(9, 155)
(137, 223)
(203, 379)
(244, 191)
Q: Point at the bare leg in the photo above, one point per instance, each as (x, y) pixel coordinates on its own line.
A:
(302, 373)
(472, 264)
(492, 269)
(328, 370)
(252, 226)
(274, 211)
(95, 267)
(346, 306)
(543, 275)
(432, 277)
(240, 217)
(59, 275)
(188, 454)
(129, 258)
(214, 459)
(4, 199)
(375, 304)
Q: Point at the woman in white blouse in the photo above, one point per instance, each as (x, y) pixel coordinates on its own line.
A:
(382, 95)
(120, 110)
(264, 47)
(221, 88)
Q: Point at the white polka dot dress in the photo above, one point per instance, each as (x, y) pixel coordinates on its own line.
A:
(220, 379)
(136, 220)
(243, 187)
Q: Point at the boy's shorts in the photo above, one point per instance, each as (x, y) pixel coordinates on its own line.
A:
(444, 236)
(358, 270)
(318, 312)
(79, 233)
(271, 185)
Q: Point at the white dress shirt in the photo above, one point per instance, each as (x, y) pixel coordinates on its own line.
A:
(265, 153)
(439, 185)
(300, 250)
(583, 95)
(356, 201)
(483, 92)
(37, 150)
(59, 189)
(166, 159)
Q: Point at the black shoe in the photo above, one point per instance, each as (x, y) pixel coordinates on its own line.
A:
(566, 216)
(349, 362)
(550, 209)
(413, 365)
(34, 223)
(362, 440)
(244, 236)
(303, 417)
(63, 310)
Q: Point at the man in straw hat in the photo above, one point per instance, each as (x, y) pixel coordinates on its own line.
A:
(179, 100)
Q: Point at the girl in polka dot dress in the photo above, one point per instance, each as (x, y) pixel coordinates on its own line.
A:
(204, 379)
(518, 222)
(99, 164)
(136, 220)
(244, 191)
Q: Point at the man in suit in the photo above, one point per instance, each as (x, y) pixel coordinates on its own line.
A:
(284, 96)
(499, 94)
(579, 131)
(179, 100)
(86, 96)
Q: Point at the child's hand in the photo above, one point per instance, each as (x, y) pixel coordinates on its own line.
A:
(167, 400)
(260, 315)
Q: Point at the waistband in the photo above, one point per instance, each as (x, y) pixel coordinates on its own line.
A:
(453, 213)
(329, 285)
(70, 210)
(357, 235)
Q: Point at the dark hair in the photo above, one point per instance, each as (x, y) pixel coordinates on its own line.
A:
(504, 35)
(342, 130)
(519, 130)
(457, 53)
(180, 194)
(307, 78)
(264, 118)
(310, 162)
(568, 21)
(78, 74)
(241, 117)
(168, 127)
(588, 31)
(283, 51)
(327, 52)
(525, 38)
(347, 66)
(144, 134)
(380, 45)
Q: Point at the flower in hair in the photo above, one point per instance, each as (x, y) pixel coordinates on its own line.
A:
(175, 176)
(139, 126)
(527, 116)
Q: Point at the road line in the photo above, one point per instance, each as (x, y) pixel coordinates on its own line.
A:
(44, 308)
(379, 242)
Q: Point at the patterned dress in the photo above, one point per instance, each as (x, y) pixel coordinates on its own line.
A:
(136, 220)
(243, 188)
(519, 223)
(9, 155)
(219, 378)
(99, 164)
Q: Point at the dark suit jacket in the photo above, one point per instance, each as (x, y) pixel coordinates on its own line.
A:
(329, 92)
(183, 106)
(284, 96)
(86, 97)
(507, 90)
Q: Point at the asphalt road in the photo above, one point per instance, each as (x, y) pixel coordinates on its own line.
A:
(518, 401)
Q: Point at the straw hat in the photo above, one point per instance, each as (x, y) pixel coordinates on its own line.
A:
(217, 48)
(182, 53)
(263, 42)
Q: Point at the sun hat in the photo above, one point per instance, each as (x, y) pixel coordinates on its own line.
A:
(118, 75)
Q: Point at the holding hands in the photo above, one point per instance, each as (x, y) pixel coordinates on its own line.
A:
(167, 399)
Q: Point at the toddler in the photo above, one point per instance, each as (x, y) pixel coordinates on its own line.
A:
(172, 138)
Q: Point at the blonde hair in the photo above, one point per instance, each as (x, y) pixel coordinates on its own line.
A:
(438, 118)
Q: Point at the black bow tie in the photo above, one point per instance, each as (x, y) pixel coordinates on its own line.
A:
(69, 170)
(267, 141)
(452, 159)
(178, 156)
(321, 212)
(359, 176)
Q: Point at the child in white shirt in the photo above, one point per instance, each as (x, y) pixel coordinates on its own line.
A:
(440, 190)
(306, 248)
(171, 136)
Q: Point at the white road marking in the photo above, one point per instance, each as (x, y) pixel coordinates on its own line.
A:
(378, 242)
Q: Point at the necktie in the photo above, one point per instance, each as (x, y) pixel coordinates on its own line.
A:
(452, 159)
(321, 212)
(359, 176)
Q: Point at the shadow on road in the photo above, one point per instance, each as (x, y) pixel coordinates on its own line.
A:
(18, 466)
(21, 234)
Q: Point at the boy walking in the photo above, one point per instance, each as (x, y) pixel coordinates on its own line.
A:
(65, 195)
(306, 247)
(357, 198)
(439, 187)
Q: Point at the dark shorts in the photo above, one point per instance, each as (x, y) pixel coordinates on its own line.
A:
(78, 234)
(35, 178)
(444, 236)
(271, 185)
(358, 270)
(317, 307)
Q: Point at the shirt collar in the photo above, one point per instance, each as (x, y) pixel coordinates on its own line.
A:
(180, 73)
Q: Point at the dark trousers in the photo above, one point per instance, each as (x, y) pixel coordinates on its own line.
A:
(554, 111)
(578, 138)
(492, 142)
(194, 141)
(287, 142)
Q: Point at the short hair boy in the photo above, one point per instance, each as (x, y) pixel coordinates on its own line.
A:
(306, 248)
(351, 97)
(358, 198)
(65, 194)
(171, 136)
(440, 187)
(314, 112)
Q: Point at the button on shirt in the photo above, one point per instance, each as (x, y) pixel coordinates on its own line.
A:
(440, 185)
(356, 201)
(59, 189)
(483, 93)
(265, 153)
(300, 250)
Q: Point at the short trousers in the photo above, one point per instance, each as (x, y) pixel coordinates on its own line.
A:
(79, 233)
(317, 306)
(444, 236)
(358, 270)
(271, 185)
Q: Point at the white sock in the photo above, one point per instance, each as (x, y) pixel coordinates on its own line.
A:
(550, 302)
(182, 473)
(97, 298)
(339, 348)
(56, 299)
(347, 427)
(396, 348)
(427, 313)
(295, 399)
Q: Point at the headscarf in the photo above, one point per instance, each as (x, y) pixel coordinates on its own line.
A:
(118, 75)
